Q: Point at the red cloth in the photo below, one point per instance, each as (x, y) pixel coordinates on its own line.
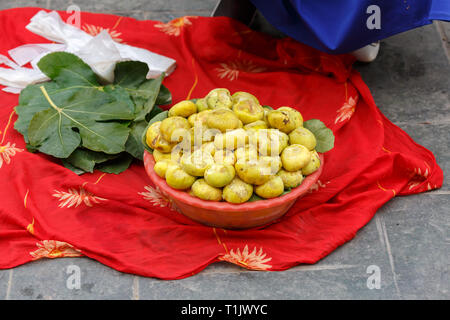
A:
(123, 222)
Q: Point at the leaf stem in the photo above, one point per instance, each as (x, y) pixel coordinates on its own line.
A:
(61, 112)
(49, 100)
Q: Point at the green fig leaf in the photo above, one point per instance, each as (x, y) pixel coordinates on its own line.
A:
(324, 135)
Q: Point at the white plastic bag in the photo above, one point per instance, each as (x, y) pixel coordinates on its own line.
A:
(101, 53)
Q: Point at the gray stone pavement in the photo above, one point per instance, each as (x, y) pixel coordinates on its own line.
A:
(408, 239)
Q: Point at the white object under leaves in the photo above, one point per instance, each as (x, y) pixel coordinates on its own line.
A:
(100, 52)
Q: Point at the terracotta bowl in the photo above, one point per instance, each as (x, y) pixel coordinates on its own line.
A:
(228, 215)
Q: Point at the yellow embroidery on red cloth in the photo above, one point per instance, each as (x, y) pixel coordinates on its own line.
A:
(195, 80)
(30, 227)
(255, 260)
(231, 70)
(7, 152)
(95, 30)
(74, 198)
(7, 126)
(316, 186)
(174, 27)
(54, 249)
(222, 243)
(26, 198)
(384, 189)
(219, 240)
(347, 110)
(157, 198)
(417, 177)
(385, 150)
(100, 178)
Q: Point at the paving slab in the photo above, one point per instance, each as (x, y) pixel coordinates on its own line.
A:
(294, 284)
(161, 10)
(24, 3)
(409, 79)
(443, 28)
(417, 230)
(4, 278)
(54, 279)
(139, 5)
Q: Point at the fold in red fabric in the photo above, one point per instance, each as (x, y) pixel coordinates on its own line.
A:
(123, 221)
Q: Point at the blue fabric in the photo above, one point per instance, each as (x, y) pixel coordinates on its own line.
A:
(340, 26)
